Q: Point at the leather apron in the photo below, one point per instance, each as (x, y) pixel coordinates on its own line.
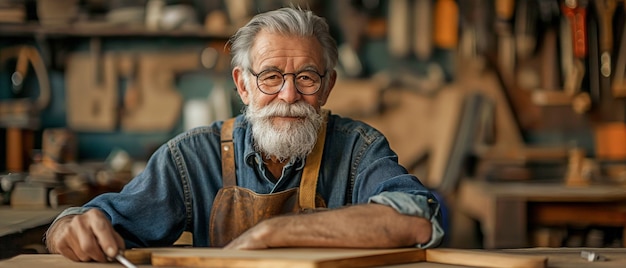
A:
(237, 209)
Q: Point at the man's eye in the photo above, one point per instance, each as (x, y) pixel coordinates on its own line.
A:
(272, 77)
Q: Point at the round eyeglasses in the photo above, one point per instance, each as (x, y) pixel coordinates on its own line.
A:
(271, 81)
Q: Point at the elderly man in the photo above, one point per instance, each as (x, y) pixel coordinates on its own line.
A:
(285, 173)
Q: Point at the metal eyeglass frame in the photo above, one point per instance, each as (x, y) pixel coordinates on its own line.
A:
(256, 75)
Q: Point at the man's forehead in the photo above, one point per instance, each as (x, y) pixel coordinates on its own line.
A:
(275, 49)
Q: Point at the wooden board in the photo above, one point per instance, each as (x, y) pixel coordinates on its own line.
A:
(329, 257)
(293, 257)
(484, 259)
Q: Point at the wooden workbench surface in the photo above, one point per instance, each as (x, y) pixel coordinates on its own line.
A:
(557, 258)
(18, 220)
(549, 191)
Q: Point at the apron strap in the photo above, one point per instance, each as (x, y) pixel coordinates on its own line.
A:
(308, 183)
(228, 154)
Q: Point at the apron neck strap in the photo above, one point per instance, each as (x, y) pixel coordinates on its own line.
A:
(228, 153)
(308, 183)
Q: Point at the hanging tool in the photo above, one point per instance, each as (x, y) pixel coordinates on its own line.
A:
(506, 42)
(595, 83)
(608, 108)
(576, 13)
(25, 55)
(605, 10)
(618, 86)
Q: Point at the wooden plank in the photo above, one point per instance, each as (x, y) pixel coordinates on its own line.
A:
(293, 257)
(484, 259)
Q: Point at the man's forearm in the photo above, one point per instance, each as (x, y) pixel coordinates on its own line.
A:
(359, 226)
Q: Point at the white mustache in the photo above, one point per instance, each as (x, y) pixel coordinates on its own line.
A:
(298, 109)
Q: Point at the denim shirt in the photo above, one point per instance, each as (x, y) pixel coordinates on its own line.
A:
(175, 192)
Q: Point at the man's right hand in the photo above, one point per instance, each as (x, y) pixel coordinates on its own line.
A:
(86, 237)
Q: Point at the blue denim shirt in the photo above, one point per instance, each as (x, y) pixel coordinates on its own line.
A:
(176, 190)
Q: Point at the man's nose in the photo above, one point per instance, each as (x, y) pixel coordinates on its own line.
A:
(289, 93)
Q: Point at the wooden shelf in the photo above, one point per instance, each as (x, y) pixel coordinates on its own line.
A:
(94, 29)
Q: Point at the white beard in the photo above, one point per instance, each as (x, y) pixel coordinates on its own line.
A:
(291, 140)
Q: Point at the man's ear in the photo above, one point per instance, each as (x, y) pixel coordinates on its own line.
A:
(240, 83)
(332, 78)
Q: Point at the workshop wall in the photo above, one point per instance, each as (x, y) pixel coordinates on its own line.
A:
(191, 84)
(364, 29)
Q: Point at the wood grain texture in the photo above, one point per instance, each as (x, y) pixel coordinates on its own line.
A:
(484, 259)
(293, 257)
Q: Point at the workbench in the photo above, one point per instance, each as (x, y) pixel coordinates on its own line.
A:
(23, 227)
(506, 210)
(557, 258)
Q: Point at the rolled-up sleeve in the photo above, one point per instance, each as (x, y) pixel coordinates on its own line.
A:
(71, 211)
(415, 205)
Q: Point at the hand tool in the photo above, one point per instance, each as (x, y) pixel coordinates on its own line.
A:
(619, 83)
(595, 84)
(591, 256)
(575, 11)
(605, 10)
(608, 108)
(120, 258)
(506, 42)
(24, 55)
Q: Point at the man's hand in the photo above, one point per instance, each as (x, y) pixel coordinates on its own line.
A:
(85, 237)
(358, 226)
(253, 238)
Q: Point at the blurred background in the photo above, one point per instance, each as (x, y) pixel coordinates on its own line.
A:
(513, 112)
